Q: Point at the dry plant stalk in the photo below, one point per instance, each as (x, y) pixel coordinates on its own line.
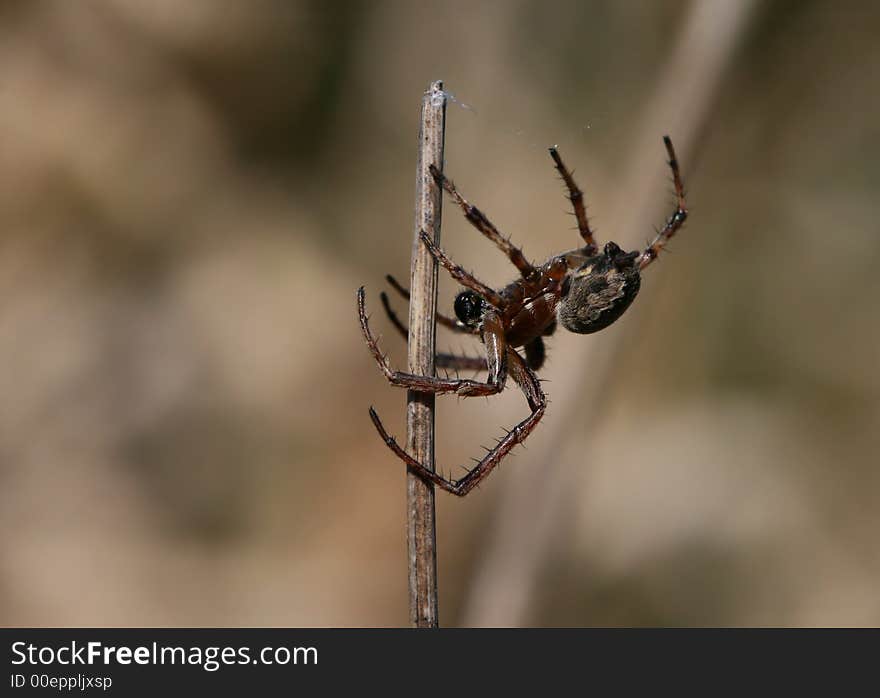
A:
(420, 523)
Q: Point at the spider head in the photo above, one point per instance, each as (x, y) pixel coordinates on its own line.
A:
(469, 307)
(600, 290)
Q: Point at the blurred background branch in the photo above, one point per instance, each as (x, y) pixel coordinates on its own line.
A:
(535, 505)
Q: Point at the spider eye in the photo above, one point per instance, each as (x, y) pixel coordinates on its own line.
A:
(611, 250)
(468, 308)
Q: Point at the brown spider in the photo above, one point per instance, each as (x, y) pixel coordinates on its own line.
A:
(584, 289)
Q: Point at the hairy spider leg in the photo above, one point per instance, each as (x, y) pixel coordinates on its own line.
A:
(496, 359)
(460, 363)
(403, 329)
(466, 279)
(447, 322)
(675, 221)
(535, 353)
(576, 196)
(528, 382)
(478, 219)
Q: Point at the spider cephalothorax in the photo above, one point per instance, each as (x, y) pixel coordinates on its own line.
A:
(585, 290)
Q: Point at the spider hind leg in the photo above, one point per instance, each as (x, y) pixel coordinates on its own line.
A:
(676, 220)
(576, 196)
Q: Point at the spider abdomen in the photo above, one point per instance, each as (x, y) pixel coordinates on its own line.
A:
(596, 296)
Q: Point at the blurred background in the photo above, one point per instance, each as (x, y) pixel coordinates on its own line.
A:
(190, 193)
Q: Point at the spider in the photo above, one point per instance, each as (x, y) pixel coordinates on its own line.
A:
(584, 290)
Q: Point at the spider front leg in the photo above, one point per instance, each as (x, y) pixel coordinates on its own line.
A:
(496, 353)
(467, 280)
(675, 221)
(478, 219)
(531, 388)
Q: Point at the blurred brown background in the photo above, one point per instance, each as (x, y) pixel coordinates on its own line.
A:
(191, 192)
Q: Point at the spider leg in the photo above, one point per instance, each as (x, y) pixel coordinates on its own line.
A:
(493, 338)
(447, 322)
(461, 363)
(396, 285)
(576, 196)
(535, 353)
(675, 221)
(392, 316)
(478, 219)
(531, 388)
(492, 297)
